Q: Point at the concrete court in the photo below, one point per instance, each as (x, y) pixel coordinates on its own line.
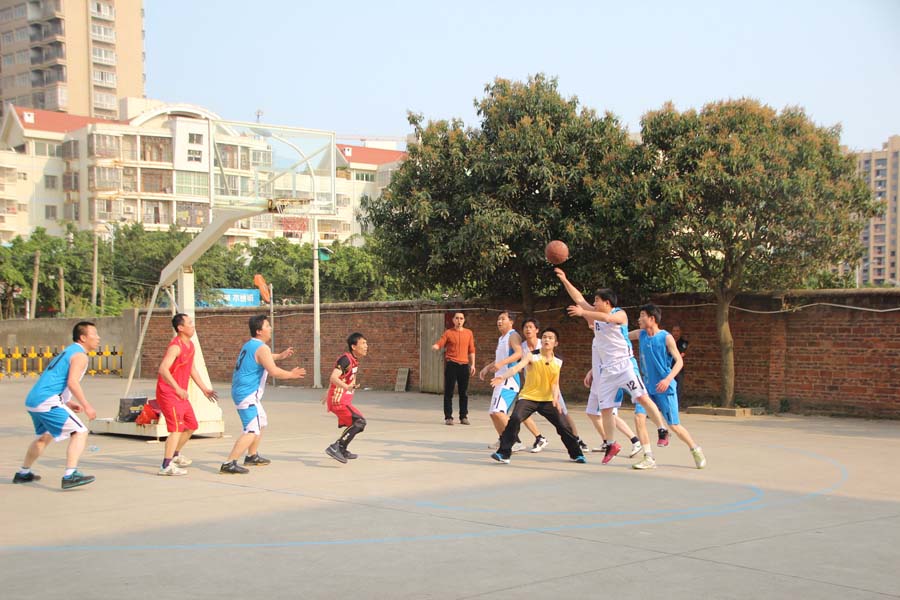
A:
(789, 507)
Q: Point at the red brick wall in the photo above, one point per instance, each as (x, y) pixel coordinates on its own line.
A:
(817, 359)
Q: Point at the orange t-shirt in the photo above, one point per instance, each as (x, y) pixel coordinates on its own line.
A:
(460, 344)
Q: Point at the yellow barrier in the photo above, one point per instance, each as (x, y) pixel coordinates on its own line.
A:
(31, 362)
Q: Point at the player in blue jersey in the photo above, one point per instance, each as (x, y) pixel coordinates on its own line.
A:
(53, 402)
(660, 364)
(254, 364)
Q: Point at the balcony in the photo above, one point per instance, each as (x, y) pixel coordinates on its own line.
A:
(101, 10)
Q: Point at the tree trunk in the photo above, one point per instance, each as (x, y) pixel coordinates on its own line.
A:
(726, 347)
(526, 280)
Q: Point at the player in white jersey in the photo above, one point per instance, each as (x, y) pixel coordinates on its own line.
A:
(53, 402)
(509, 352)
(611, 355)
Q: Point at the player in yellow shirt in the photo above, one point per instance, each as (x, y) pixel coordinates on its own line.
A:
(540, 394)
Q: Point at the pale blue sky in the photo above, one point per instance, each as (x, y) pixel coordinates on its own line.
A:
(357, 67)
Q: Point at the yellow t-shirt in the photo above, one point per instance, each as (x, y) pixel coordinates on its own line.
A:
(540, 379)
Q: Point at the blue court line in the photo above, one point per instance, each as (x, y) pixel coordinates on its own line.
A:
(737, 507)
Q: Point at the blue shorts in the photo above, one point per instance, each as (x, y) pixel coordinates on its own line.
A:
(253, 418)
(59, 421)
(667, 404)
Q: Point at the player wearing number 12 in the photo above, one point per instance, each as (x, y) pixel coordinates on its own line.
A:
(248, 383)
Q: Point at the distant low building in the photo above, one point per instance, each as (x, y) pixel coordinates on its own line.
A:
(151, 166)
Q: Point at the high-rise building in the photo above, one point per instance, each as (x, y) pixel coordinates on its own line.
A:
(881, 243)
(74, 56)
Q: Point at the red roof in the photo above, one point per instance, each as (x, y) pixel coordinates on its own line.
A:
(370, 156)
(48, 120)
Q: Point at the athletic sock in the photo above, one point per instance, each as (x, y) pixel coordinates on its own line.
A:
(635, 440)
(24, 471)
(69, 472)
(166, 462)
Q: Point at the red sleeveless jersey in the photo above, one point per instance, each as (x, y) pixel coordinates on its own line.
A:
(180, 369)
(348, 365)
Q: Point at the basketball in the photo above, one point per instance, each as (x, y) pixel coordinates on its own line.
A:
(556, 252)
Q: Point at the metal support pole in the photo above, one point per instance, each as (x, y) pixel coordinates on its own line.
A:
(94, 278)
(317, 332)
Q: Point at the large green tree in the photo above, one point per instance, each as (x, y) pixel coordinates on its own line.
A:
(750, 199)
(471, 209)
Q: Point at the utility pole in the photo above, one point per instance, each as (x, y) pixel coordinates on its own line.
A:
(94, 279)
(62, 292)
(34, 283)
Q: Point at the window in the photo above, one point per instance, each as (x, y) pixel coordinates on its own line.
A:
(105, 78)
(103, 56)
(70, 181)
(156, 149)
(9, 60)
(23, 57)
(103, 10)
(50, 212)
(195, 138)
(192, 214)
(360, 176)
(23, 176)
(51, 182)
(104, 100)
(261, 158)
(227, 155)
(189, 183)
(22, 34)
(129, 179)
(7, 38)
(70, 149)
(103, 146)
(156, 181)
(195, 156)
(104, 178)
(103, 33)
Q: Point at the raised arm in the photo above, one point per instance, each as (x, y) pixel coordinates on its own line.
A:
(573, 292)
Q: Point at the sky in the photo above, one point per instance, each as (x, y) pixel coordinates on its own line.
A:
(357, 67)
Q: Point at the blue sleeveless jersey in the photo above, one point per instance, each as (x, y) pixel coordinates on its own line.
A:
(54, 379)
(247, 372)
(656, 362)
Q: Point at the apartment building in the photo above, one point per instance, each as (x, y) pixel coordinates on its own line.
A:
(74, 56)
(152, 165)
(880, 239)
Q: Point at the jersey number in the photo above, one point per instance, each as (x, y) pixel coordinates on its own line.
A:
(240, 359)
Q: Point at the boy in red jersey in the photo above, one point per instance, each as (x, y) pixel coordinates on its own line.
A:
(176, 369)
(340, 397)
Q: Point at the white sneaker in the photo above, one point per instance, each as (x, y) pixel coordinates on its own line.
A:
(635, 450)
(699, 458)
(182, 461)
(171, 470)
(518, 447)
(647, 463)
(540, 442)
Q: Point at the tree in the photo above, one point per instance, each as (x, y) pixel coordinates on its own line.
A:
(355, 274)
(472, 209)
(750, 198)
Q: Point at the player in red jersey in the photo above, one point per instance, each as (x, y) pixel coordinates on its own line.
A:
(340, 397)
(176, 369)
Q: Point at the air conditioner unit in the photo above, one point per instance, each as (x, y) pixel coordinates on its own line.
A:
(128, 210)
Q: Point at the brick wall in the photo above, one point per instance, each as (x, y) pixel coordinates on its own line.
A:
(818, 359)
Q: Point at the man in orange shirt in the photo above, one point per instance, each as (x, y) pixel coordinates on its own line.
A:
(459, 366)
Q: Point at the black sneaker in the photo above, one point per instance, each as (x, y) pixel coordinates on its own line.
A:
(584, 447)
(25, 478)
(256, 461)
(232, 468)
(349, 454)
(334, 451)
(76, 479)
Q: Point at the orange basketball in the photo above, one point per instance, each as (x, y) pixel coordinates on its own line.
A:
(556, 252)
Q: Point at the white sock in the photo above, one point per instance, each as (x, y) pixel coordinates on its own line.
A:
(24, 471)
(69, 471)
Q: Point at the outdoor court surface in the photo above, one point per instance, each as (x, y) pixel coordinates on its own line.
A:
(789, 507)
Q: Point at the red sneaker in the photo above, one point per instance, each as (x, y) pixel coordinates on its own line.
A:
(611, 452)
